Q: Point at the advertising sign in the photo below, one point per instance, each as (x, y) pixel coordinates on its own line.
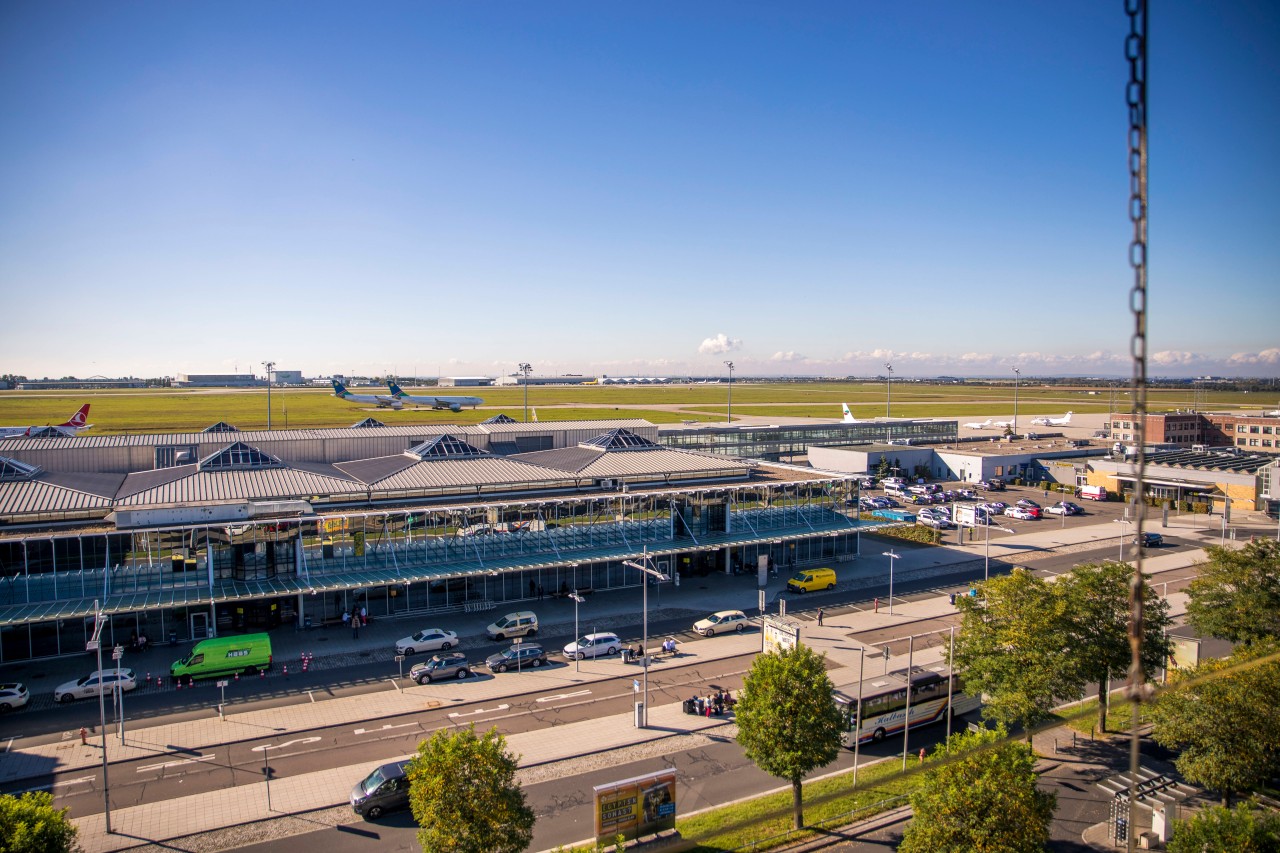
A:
(779, 634)
(642, 805)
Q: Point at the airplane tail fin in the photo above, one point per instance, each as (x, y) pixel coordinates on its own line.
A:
(79, 419)
(338, 388)
(394, 389)
(535, 414)
(1066, 419)
(848, 416)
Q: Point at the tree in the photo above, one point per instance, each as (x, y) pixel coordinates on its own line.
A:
(1012, 646)
(464, 795)
(1096, 604)
(981, 796)
(1237, 595)
(882, 470)
(788, 722)
(1222, 717)
(1244, 829)
(30, 824)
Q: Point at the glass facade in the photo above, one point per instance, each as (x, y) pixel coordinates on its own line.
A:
(189, 582)
(787, 443)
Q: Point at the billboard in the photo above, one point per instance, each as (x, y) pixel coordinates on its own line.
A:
(778, 633)
(642, 805)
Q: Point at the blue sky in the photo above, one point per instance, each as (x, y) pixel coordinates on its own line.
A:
(642, 188)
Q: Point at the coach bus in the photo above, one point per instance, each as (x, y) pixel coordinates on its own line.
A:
(884, 704)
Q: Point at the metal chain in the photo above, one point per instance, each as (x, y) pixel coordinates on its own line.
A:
(1136, 95)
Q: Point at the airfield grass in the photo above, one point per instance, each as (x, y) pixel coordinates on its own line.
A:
(149, 410)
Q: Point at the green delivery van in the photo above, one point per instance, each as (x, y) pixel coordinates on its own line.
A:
(245, 653)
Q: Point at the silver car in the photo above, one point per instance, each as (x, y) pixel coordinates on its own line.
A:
(13, 696)
(94, 683)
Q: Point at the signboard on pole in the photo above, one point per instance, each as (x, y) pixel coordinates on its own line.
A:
(779, 633)
(642, 805)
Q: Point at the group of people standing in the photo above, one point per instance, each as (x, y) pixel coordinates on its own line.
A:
(355, 617)
(711, 704)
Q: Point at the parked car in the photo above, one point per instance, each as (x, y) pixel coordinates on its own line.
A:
(722, 622)
(427, 640)
(592, 646)
(1019, 512)
(451, 665)
(13, 696)
(935, 521)
(94, 683)
(383, 790)
(1150, 540)
(967, 494)
(1027, 503)
(523, 623)
(867, 483)
(517, 657)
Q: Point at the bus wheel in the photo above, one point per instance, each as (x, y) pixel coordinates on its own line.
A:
(878, 736)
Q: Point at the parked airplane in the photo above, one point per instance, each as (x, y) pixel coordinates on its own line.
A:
(339, 390)
(71, 426)
(987, 424)
(1047, 421)
(453, 404)
(1002, 424)
(848, 416)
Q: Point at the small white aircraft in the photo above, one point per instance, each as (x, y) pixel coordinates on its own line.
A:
(70, 426)
(848, 415)
(453, 404)
(340, 391)
(987, 424)
(1002, 424)
(1047, 421)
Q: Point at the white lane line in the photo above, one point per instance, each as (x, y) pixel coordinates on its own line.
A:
(480, 711)
(565, 696)
(384, 728)
(167, 764)
(267, 746)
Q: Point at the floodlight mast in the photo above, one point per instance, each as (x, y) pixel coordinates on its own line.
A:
(644, 648)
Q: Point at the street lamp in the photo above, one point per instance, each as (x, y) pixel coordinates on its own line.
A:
(577, 599)
(892, 556)
(270, 366)
(1017, 374)
(95, 645)
(888, 389)
(729, 417)
(1126, 522)
(525, 367)
(643, 721)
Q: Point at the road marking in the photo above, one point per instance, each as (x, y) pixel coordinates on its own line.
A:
(267, 746)
(76, 781)
(564, 696)
(480, 711)
(383, 729)
(168, 764)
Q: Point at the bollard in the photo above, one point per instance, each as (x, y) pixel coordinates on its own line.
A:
(84, 736)
(877, 605)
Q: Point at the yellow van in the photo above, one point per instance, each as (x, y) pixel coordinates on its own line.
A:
(808, 580)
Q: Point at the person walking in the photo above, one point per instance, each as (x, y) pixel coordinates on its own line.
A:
(346, 618)
(820, 614)
(355, 626)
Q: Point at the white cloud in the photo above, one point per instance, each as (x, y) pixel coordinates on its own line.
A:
(1167, 358)
(721, 343)
(787, 356)
(1267, 356)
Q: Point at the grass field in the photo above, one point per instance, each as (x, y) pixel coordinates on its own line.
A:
(185, 410)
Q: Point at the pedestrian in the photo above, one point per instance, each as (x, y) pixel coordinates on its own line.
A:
(364, 615)
(533, 587)
(539, 592)
(877, 605)
(820, 614)
(922, 755)
(355, 626)
(346, 619)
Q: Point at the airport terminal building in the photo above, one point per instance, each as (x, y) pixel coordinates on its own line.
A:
(185, 536)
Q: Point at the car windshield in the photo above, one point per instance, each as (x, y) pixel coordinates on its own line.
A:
(374, 780)
(713, 618)
(583, 642)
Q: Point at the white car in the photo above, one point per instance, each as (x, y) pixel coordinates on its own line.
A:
(95, 683)
(592, 646)
(12, 696)
(427, 640)
(1019, 512)
(722, 622)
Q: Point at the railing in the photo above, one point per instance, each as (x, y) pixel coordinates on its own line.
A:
(843, 819)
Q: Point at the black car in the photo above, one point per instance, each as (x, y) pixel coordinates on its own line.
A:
(1151, 540)
(448, 665)
(517, 657)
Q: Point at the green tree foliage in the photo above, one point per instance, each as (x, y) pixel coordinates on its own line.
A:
(1222, 716)
(1243, 829)
(1012, 646)
(464, 795)
(788, 723)
(1096, 605)
(1237, 595)
(882, 470)
(30, 824)
(981, 796)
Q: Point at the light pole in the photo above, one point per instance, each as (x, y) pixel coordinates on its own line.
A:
(1017, 374)
(888, 389)
(117, 654)
(525, 367)
(729, 417)
(577, 659)
(892, 556)
(95, 645)
(986, 563)
(270, 366)
(1126, 522)
(644, 642)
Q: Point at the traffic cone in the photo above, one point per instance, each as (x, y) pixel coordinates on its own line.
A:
(237, 676)
(286, 670)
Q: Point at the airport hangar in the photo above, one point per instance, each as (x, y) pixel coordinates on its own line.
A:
(185, 536)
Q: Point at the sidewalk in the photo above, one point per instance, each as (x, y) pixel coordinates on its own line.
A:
(191, 740)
